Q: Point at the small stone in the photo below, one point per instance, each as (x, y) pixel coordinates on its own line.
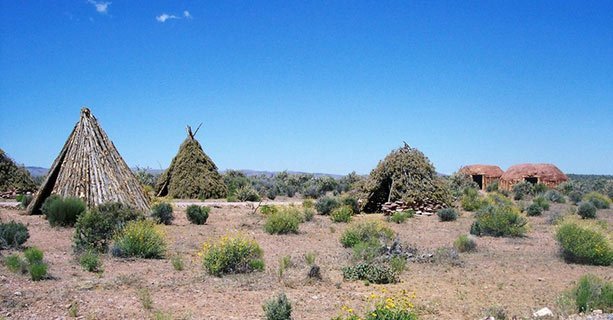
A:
(545, 312)
(314, 297)
(597, 311)
(17, 293)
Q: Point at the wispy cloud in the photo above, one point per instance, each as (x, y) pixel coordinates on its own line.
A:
(101, 7)
(165, 16)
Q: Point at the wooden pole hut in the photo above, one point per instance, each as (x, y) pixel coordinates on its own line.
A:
(192, 174)
(90, 167)
(544, 173)
(482, 174)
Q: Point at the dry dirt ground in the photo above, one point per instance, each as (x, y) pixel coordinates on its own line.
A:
(518, 275)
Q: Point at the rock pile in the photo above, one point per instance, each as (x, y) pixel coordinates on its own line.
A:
(427, 207)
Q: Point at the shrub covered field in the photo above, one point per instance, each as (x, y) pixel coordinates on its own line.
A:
(514, 275)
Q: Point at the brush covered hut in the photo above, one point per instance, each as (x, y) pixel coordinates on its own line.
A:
(482, 174)
(544, 173)
(14, 179)
(405, 179)
(89, 167)
(191, 174)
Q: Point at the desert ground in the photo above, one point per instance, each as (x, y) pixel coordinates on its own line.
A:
(517, 275)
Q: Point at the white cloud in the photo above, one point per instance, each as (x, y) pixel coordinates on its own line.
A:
(165, 16)
(187, 15)
(101, 7)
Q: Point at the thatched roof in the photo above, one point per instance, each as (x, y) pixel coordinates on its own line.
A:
(14, 178)
(543, 171)
(405, 174)
(486, 170)
(191, 174)
(89, 167)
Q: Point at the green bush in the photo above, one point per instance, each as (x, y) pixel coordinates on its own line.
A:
(522, 189)
(142, 239)
(282, 222)
(308, 214)
(593, 293)
(308, 203)
(371, 271)
(47, 204)
(162, 213)
(64, 212)
(534, 210)
(33, 255)
(24, 200)
(499, 221)
(575, 196)
(177, 262)
(465, 243)
(90, 261)
(13, 234)
(599, 201)
(341, 214)
(232, 254)
(325, 205)
(542, 202)
(16, 264)
(587, 210)
(401, 216)
(447, 214)
(540, 188)
(279, 308)
(352, 202)
(197, 214)
(471, 200)
(554, 196)
(38, 271)
(247, 193)
(493, 187)
(268, 209)
(584, 244)
(365, 231)
(398, 306)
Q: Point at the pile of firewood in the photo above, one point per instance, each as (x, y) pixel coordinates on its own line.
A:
(427, 207)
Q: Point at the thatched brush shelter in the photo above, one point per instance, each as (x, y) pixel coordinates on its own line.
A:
(544, 173)
(89, 167)
(191, 174)
(406, 175)
(14, 179)
(482, 174)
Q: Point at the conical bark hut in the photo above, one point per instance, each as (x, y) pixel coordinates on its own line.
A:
(191, 174)
(90, 167)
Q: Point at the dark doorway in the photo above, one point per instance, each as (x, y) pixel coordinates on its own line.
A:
(478, 178)
(533, 180)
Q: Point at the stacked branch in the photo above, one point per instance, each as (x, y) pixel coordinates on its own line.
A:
(14, 179)
(90, 167)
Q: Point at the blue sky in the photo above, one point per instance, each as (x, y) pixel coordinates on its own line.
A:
(328, 86)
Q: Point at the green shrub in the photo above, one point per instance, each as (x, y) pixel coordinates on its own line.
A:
(493, 186)
(447, 214)
(398, 306)
(120, 212)
(33, 255)
(64, 212)
(268, 209)
(542, 202)
(497, 199)
(282, 222)
(584, 244)
(232, 254)
(162, 213)
(90, 261)
(25, 200)
(367, 250)
(13, 234)
(401, 216)
(279, 308)
(177, 262)
(534, 210)
(142, 239)
(16, 264)
(522, 189)
(341, 214)
(540, 188)
(499, 221)
(197, 214)
(471, 200)
(365, 231)
(308, 203)
(370, 271)
(325, 205)
(599, 201)
(47, 204)
(308, 214)
(587, 210)
(554, 196)
(465, 243)
(593, 293)
(575, 196)
(247, 193)
(352, 202)
(38, 271)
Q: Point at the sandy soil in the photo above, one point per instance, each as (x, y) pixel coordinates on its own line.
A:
(518, 275)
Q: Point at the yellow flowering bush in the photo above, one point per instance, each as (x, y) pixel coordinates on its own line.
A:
(584, 242)
(142, 239)
(232, 254)
(383, 306)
